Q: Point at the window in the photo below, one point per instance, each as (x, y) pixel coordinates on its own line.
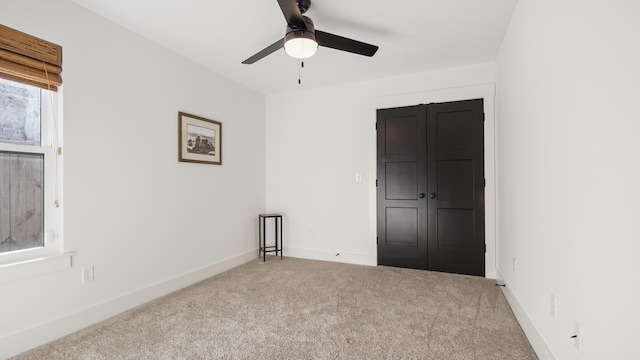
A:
(28, 170)
(30, 156)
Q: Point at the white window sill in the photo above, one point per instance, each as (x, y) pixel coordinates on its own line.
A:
(32, 267)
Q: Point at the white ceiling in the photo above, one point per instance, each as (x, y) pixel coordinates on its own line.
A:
(413, 36)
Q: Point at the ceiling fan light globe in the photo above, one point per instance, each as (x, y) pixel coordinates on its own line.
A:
(301, 47)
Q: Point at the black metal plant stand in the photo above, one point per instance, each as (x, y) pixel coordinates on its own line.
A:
(262, 239)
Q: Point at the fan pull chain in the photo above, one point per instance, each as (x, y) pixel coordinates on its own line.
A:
(300, 66)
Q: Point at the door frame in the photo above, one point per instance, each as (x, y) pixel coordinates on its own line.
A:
(486, 92)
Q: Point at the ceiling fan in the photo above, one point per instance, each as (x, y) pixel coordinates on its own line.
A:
(302, 39)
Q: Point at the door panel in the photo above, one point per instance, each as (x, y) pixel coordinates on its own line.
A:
(402, 226)
(453, 129)
(402, 176)
(431, 187)
(455, 180)
(401, 180)
(401, 134)
(455, 229)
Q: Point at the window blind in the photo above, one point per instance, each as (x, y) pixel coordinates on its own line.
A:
(30, 60)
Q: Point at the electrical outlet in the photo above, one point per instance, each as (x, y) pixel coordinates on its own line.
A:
(578, 340)
(87, 274)
(515, 264)
(553, 307)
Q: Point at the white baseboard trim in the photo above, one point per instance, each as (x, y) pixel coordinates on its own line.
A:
(341, 257)
(537, 342)
(22, 341)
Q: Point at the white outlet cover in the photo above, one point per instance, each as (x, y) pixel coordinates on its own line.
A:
(515, 265)
(87, 274)
(553, 307)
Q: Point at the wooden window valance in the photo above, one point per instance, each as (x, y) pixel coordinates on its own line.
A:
(30, 60)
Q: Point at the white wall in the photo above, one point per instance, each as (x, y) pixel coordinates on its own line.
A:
(318, 140)
(131, 209)
(568, 172)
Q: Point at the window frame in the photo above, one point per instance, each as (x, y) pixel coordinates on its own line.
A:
(53, 246)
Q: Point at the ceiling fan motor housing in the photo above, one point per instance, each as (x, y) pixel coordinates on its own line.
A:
(309, 33)
(303, 5)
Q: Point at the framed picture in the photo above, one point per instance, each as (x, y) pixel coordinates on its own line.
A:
(199, 139)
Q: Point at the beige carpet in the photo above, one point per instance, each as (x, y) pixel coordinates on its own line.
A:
(303, 309)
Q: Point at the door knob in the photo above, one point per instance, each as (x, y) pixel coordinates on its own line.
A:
(432, 195)
(421, 196)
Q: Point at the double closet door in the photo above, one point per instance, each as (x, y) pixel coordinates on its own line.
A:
(430, 188)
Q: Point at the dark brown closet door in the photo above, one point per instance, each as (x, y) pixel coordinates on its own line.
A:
(455, 162)
(431, 187)
(402, 178)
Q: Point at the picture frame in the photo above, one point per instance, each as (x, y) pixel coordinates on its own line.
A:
(199, 139)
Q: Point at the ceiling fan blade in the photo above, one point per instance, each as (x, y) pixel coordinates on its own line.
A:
(345, 44)
(292, 14)
(266, 51)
